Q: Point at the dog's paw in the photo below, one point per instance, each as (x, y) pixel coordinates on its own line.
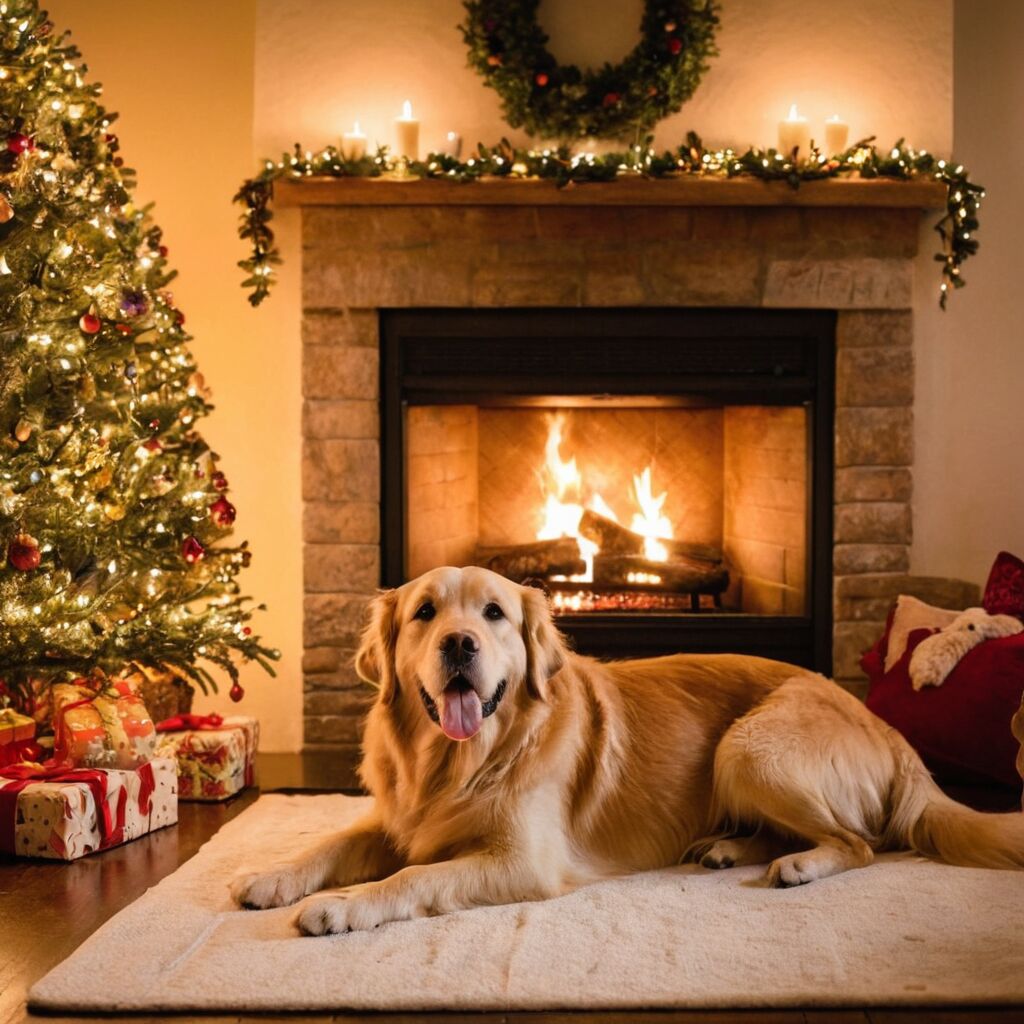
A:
(347, 910)
(261, 891)
(724, 853)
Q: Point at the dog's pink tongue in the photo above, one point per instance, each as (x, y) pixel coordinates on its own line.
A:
(462, 715)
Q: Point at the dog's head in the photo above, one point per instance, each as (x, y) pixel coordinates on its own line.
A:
(459, 641)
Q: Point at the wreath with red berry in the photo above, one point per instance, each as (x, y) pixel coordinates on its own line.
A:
(555, 101)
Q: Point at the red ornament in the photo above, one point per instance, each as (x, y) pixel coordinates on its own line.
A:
(494, 60)
(236, 693)
(675, 46)
(246, 631)
(153, 445)
(163, 251)
(118, 161)
(611, 99)
(111, 140)
(219, 480)
(19, 143)
(179, 317)
(223, 511)
(90, 323)
(23, 553)
(123, 328)
(541, 79)
(192, 551)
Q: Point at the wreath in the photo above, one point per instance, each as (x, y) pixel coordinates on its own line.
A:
(553, 101)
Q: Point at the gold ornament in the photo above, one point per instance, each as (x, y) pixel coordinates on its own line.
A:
(113, 511)
(102, 479)
(23, 431)
(6, 210)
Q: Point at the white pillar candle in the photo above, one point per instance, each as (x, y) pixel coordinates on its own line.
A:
(353, 144)
(795, 133)
(452, 145)
(407, 134)
(836, 133)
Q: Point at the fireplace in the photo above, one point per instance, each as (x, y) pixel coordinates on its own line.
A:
(665, 474)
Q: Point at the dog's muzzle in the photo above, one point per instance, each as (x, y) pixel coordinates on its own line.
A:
(487, 707)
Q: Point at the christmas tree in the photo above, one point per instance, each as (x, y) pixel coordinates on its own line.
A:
(114, 517)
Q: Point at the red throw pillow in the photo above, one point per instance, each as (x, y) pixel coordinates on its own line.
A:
(961, 729)
(1004, 592)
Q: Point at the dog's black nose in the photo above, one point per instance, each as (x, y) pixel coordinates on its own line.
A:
(459, 648)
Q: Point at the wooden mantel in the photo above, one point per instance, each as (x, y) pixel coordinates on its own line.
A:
(686, 191)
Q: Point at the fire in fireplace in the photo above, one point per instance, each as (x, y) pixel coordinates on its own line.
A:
(665, 475)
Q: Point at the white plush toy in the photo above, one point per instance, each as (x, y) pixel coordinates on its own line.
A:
(936, 657)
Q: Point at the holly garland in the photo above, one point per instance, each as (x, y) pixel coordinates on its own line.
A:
(508, 48)
(956, 228)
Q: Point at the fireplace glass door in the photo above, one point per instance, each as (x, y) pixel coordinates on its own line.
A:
(664, 475)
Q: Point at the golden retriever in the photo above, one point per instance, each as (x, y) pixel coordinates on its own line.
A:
(505, 768)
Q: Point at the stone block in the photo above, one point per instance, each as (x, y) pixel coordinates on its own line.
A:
(335, 371)
(724, 223)
(873, 522)
(870, 483)
(871, 328)
(328, 568)
(857, 558)
(539, 283)
(702, 274)
(340, 703)
(438, 275)
(937, 590)
(865, 231)
(341, 522)
(325, 419)
(849, 641)
(333, 620)
(340, 759)
(839, 284)
(341, 470)
(341, 327)
(334, 729)
(875, 376)
(875, 436)
(322, 660)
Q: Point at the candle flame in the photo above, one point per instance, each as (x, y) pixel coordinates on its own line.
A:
(834, 119)
(407, 111)
(355, 129)
(793, 115)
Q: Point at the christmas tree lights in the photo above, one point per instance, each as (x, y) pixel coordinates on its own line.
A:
(114, 522)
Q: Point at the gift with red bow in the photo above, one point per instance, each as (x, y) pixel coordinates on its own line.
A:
(63, 812)
(17, 737)
(215, 753)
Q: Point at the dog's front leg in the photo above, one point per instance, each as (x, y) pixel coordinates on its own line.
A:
(358, 854)
(424, 890)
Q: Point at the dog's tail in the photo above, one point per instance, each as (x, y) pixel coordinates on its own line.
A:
(933, 824)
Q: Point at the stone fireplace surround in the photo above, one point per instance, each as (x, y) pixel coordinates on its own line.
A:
(368, 245)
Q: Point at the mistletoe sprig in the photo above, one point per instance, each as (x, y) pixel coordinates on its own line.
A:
(956, 228)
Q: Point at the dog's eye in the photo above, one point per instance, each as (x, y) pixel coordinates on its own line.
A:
(425, 612)
(493, 612)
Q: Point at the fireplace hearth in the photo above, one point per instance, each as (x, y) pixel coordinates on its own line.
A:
(665, 474)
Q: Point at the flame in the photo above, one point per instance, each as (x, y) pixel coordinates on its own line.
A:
(562, 487)
(650, 522)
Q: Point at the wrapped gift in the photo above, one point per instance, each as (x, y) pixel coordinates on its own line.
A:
(17, 737)
(215, 754)
(104, 726)
(64, 813)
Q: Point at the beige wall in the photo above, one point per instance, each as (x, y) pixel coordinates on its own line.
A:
(181, 77)
(969, 498)
(206, 88)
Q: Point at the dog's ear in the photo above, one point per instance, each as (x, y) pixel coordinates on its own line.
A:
(545, 648)
(375, 659)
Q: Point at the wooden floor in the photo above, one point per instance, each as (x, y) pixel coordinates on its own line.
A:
(48, 908)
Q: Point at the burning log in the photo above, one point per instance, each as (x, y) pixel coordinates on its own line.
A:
(676, 575)
(518, 562)
(614, 539)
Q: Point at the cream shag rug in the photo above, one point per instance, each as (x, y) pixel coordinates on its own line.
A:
(903, 931)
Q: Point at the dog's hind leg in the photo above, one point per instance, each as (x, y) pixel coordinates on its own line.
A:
(808, 763)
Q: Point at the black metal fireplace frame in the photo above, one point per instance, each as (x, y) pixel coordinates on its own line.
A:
(597, 356)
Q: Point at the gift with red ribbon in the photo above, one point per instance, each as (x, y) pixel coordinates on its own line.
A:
(101, 724)
(17, 737)
(215, 754)
(63, 812)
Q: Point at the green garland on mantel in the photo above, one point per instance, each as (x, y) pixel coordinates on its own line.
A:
(956, 228)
